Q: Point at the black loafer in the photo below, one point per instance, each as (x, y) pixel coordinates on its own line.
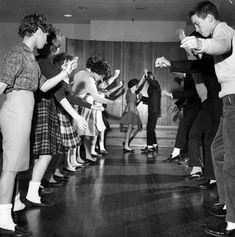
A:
(195, 176)
(213, 205)
(170, 159)
(183, 160)
(218, 212)
(18, 216)
(219, 230)
(45, 191)
(43, 203)
(128, 151)
(91, 162)
(61, 178)
(18, 232)
(147, 150)
(103, 152)
(207, 185)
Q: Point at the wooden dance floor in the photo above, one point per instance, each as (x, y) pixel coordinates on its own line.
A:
(126, 195)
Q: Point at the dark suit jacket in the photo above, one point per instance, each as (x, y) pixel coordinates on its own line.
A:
(205, 66)
(154, 97)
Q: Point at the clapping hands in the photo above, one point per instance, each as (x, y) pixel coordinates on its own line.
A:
(71, 65)
(162, 62)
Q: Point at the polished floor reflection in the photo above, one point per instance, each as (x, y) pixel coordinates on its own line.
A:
(125, 195)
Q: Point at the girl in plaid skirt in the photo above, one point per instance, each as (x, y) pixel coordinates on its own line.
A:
(70, 138)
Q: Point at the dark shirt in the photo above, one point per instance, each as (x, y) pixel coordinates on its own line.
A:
(154, 97)
(49, 70)
(20, 70)
(64, 90)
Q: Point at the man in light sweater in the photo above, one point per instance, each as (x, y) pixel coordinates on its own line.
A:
(221, 45)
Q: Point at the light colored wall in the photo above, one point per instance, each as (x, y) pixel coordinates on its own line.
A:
(156, 31)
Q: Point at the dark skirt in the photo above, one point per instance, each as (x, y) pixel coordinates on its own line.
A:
(130, 116)
(46, 136)
(70, 138)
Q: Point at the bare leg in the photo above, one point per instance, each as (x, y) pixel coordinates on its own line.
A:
(7, 183)
(133, 133)
(39, 170)
(17, 204)
(69, 165)
(128, 134)
(101, 141)
(93, 144)
(87, 149)
(59, 163)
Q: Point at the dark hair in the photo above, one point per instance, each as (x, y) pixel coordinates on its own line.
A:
(132, 82)
(30, 24)
(90, 61)
(54, 39)
(150, 74)
(202, 9)
(100, 67)
(197, 34)
(60, 58)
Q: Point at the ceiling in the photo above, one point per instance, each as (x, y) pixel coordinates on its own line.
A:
(84, 11)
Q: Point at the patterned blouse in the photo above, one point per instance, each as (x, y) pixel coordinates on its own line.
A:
(20, 70)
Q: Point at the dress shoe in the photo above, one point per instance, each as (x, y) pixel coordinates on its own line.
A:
(91, 162)
(219, 230)
(195, 176)
(85, 164)
(170, 159)
(147, 150)
(18, 232)
(17, 215)
(183, 160)
(207, 185)
(103, 152)
(61, 178)
(45, 191)
(213, 205)
(218, 212)
(68, 171)
(43, 203)
(127, 150)
(97, 155)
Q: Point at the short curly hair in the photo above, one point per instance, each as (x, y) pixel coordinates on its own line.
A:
(30, 24)
(100, 67)
(93, 59)
(54, 39)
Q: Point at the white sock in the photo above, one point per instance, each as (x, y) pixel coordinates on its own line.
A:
(155, 145)
(224, 208)
(196, 169)
(176, 152)
(212, 181)
(32, 194)
(6, 220)
(18, 205)
(230, 225)
(101, 146)
(150, 146)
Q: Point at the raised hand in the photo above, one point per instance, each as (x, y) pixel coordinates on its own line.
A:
(71, 65)
(181, 34)
(162, 62)
(165, 92)
(116, 73)
(191, 42)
